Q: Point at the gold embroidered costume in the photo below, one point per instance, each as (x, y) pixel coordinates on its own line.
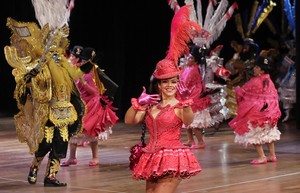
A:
(51, 109)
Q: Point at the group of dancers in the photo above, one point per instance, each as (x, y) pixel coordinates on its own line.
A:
(63, 102)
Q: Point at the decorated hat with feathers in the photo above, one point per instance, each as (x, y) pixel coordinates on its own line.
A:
(182, 30)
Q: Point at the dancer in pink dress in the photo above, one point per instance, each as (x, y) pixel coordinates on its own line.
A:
(165, 161)
(193, 79)
(100, 116)
(258, 112)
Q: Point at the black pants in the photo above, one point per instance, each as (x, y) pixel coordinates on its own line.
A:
(57, 148)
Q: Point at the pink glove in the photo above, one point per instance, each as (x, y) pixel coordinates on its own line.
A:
(185, 94)
(140, 103)
(183, 91)
(146, 99)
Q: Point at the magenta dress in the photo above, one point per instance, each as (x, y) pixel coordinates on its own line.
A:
(253, 123)
(98, 118)
(164, 153)
(192, 78)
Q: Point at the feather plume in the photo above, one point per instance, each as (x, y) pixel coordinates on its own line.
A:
(221, 9)
(193, 16)
(209, 12)
(174, 5)
(215, 21)
(219, 27)
(199, 13)
(181, 32)
(54, 12)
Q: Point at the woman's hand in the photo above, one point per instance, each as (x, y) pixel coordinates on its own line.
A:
(141, 103)
(146, 99)
(183, 91)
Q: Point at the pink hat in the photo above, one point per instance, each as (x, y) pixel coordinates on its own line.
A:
(166, 69)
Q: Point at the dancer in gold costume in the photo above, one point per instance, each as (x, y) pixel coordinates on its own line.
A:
(50, 107)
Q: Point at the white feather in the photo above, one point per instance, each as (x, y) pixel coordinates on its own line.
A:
(217, 15)
(199, 13)
(209, 12)
(193, 16)
(54, 12)
(174, 5)
(219, 27)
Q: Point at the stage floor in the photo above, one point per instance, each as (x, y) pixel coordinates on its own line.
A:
(226, 165)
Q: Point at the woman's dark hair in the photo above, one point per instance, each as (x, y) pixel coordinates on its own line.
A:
(153, 88)
(265, 63)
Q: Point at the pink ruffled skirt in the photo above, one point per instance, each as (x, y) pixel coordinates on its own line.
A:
(180, 163)
(98, 118)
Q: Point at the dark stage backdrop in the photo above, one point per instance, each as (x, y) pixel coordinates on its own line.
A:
(132, 35)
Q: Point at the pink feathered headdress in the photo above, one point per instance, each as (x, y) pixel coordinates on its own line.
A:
(182, 29)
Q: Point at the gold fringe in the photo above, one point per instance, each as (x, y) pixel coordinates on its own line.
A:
(49, 132)
(64, 133)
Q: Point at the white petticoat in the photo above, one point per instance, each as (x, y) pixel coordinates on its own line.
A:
(258, 135)
(202, 119)
(83, 137)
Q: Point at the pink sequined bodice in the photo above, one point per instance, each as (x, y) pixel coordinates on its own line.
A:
(164, 129)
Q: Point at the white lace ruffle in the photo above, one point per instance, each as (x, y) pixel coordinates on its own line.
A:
(202, 119)
(258, 135)
(83, 137)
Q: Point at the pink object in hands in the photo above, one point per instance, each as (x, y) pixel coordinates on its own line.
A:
(146, 99)
(183, 91)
